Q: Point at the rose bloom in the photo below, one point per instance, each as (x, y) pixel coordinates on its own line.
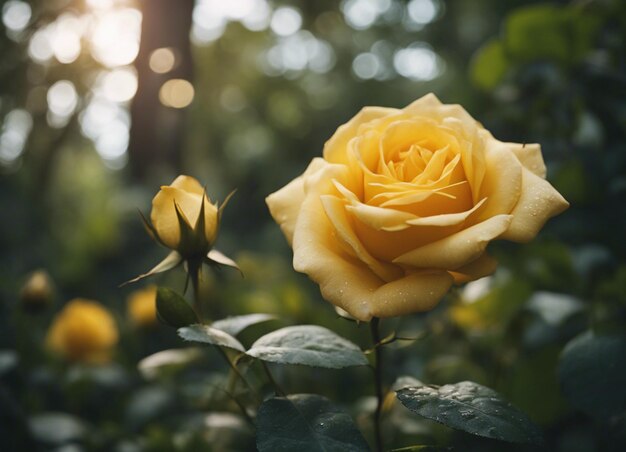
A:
(142, 307)
(186, 194)
(404, 203)
(83, 331)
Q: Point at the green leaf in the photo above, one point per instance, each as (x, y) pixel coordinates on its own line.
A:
(489, 65)
(8, 361)
(235, 325)
(592, 372)
(151, 366)
(309, 345)
(216, 257)
(173, 309)
(55, 428)
(306, 423)
(544, 31)
(472, 408)
(209, 335)
(170, 261)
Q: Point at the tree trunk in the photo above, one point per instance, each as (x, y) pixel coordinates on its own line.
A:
(157, 132)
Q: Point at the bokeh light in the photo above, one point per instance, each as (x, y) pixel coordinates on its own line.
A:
(118, 85)
(16, 15)
(176, 93)
(114, 36)
(286, 21)
(62, 102)
(162, 60)
(15, 130)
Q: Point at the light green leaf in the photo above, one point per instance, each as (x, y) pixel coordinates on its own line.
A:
(152, 365)
(309, 345)
(209, 335)
(489, 65)
(472, 408)
(173, 309)
(235, 325)
(217, 257)
(306, 423)
(592, 373)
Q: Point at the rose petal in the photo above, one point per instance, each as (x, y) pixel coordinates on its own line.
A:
(336, 147)
(530, 156)
(188, 184)
(431, 107)
(284, 204)
(539, 202)
(458, 249)
(502, 185)
(336, 212)
(485, 265)
(351, 285)
(164, 217)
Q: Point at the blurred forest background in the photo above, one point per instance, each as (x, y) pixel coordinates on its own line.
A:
(103, 101)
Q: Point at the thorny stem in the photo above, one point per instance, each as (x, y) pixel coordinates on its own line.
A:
(378, 383)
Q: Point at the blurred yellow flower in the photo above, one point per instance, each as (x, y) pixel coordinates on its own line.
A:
(38, 290)
(142, 307)
(176, 219)
(83, 331)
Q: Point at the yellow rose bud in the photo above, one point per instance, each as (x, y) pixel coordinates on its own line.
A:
(404, 204)
(176, 217)
(83, 331)
(142, 307)
(38, 291)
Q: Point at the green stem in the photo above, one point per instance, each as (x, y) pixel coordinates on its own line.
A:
(378, 383)
(233, 367)
(194, 268)
(277, 389)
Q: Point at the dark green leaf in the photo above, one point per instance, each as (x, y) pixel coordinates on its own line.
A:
(235, 325)
(209, 335)
(472, 408)
(592, 372)
(173, 309)
(308, 345)
(306, 423)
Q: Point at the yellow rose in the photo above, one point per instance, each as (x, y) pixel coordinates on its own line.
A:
(142, 307)
(176, 220)
(404, 204)
(83, 331)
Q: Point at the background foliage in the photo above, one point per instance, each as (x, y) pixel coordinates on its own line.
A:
(271, 84)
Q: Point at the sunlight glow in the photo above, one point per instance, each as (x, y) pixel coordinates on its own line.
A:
(417, 62)
(115, 36)
(119, 85)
